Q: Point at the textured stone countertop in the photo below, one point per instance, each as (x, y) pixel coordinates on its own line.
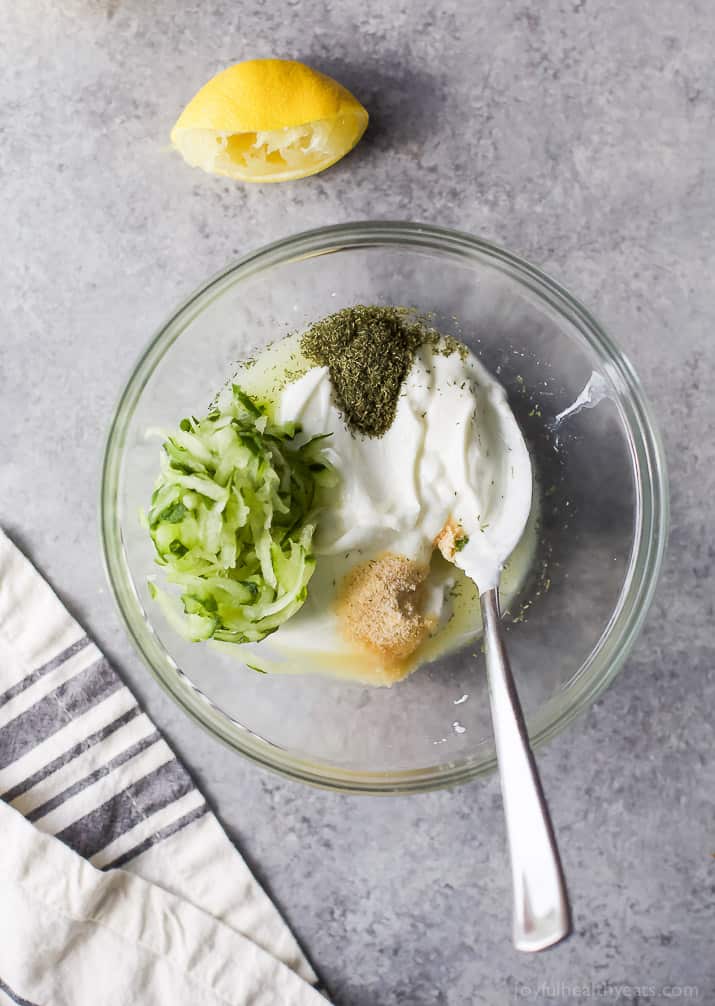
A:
(577, 133)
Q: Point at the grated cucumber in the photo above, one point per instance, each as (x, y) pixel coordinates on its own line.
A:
(232, 519)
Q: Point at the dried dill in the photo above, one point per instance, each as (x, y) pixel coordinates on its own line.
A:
(447, 344)
(368, 352)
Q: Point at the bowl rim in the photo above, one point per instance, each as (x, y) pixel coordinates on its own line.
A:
(650, 532)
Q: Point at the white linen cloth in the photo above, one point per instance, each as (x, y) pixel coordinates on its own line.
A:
(117, 883)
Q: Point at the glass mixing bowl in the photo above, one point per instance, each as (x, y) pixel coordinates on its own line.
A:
(603, 504)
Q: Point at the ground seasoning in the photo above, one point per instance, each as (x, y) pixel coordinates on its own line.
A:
(381, 604)
(368, 352)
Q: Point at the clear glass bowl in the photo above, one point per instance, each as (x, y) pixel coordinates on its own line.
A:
(604, 504)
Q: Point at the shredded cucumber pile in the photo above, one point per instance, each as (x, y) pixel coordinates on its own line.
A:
(232, 519)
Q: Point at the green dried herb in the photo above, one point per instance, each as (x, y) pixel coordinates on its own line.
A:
(368, 352)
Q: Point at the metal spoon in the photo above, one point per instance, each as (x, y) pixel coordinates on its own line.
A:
(542, 915)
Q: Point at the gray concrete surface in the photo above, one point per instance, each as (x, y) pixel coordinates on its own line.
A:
(576, 133)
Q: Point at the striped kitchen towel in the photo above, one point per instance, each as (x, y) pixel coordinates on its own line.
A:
(89, 785)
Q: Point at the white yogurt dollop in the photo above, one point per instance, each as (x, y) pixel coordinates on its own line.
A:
(453, 451)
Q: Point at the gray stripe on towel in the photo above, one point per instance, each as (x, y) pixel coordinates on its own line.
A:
(56, 709)
(35, 675)
(158, 836)
(98, 773)
(134, 804)
(73, 752)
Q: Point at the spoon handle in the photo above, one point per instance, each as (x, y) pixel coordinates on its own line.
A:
(541, 906)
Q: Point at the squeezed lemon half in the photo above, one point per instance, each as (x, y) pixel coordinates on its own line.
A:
(269, 120)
